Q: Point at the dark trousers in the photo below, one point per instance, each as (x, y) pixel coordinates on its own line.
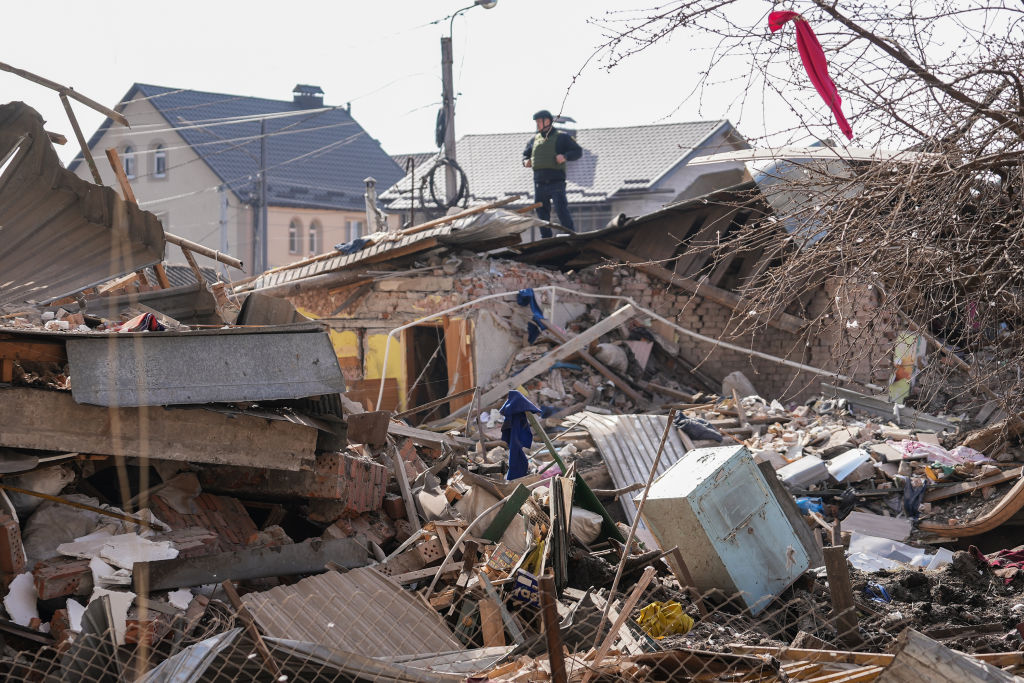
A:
(552, 192)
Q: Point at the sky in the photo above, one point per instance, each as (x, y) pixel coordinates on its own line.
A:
(383, 57)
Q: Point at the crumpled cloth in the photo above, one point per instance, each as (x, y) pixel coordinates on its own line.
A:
(696, 428)
(957, 456)
(1005, 564)
(526, 297)
(352, 246)
(813, 58)
(660, 619)
(516, 432)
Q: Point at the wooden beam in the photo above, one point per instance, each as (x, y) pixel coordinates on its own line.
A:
(783, 321)
(64, 90)
(919, 658)
(574, 345)
(161, 276)
(456, 216)
(841, 591)
(250, 626)
(550, 619)
(601, 368)
(122, 178)
(86, 152)
(606, 645)
(14, 348)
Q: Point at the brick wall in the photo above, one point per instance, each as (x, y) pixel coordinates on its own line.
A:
(851, 334)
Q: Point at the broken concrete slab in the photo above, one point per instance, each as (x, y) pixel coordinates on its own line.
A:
(53, 421)
(204, 366)
(253, 563)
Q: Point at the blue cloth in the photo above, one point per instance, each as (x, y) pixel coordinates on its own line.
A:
(516, 432)
(351, 247)
(877, 592)
(808, 504)
(526, 297)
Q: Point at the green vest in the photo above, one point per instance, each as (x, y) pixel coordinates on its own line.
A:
(543, 155)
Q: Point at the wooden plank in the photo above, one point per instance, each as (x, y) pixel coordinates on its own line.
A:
(783, 321)
(424, 437)
(86, 152)
(627, 609)
(864, 673)
(941, 493)
(458, 350)
(250, 626)
(577, 343)
(919, 658)
(841, 591)
(791, 654)
(122, 178)
(66, 91)
(52, 421)
(161, 276)
(551, 632)
(490, 623)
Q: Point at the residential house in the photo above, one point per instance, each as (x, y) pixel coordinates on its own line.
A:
(379, 302)
(195, 158)
(631, 170)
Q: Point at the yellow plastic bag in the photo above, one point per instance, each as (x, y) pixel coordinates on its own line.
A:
(660, 619)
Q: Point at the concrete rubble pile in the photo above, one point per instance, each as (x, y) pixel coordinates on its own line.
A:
(182, 500)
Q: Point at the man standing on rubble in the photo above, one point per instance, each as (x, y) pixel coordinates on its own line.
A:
(547, 153)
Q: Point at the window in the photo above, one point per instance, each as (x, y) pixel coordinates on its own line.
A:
(160, 162)
(293, 236)
(129, 161)
(314, 237)
(355, 229)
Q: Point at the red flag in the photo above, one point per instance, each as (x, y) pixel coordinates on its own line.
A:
(813, 58)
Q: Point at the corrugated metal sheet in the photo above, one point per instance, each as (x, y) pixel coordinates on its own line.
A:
(359, 611)
(628, 444)
(157, 368)
(61, 234)
(483, 231)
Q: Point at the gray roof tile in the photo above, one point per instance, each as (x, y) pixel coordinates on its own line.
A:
(314, 161)
(614, 160)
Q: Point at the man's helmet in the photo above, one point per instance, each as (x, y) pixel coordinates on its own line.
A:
(543, 114)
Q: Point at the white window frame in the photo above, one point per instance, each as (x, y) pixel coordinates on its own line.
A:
(159, 159)
(128, 161)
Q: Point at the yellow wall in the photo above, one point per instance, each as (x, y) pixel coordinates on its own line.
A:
(374, 361)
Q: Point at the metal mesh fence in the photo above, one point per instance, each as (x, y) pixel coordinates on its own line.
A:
(482, 622)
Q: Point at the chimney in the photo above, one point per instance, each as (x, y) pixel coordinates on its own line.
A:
(308, 96)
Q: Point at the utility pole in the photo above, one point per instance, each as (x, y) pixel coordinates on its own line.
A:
(224, 246)
(263, 254)
(448, 100)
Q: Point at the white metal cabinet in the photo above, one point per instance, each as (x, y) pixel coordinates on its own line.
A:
(716, 506)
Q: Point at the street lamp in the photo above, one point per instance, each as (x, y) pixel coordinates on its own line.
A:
(448, 98)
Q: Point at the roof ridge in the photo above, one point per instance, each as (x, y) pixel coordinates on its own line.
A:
(713, 122)
(221, 94)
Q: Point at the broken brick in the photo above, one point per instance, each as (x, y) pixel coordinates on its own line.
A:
(61, 576)
(394, 506)
(12, 552)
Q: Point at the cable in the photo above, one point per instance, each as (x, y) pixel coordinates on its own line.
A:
(461, 196)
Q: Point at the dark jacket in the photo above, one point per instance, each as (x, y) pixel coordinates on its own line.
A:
(565, 145)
